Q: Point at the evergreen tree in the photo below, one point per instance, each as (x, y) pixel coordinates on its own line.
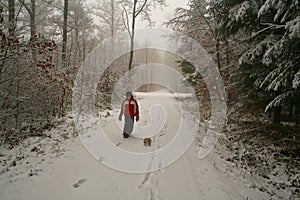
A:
(269, 65)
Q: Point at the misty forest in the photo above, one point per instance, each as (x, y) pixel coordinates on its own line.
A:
(255, 45)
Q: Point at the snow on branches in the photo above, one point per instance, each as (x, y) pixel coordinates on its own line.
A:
(293, 27)
(270, 60)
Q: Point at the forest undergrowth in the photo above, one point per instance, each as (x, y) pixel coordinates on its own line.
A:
(267, 150)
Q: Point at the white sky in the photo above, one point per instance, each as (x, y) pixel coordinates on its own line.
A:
(159, 16)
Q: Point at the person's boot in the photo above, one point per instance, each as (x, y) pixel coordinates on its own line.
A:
(125, 135)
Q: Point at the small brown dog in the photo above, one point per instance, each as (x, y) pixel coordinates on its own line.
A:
(147, 141)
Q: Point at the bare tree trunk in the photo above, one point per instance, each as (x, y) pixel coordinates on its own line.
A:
(216, 37)
(32, 13)
(132, 35)
(11, 32)
(77, 49)
(83, 45)
(135, 13)
(112, 4)
(32, 19)
(65, 31)
(17, 95)
(11, 17)
(218, 52)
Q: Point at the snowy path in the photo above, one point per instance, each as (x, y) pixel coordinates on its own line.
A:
(75, 174)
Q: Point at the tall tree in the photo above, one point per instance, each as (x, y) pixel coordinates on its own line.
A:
(31, 9)
(133, 9)
(80, 27)
(197, 22)
(65, 33)
(11, 17)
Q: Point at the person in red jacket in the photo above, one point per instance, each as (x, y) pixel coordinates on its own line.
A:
(130, 109)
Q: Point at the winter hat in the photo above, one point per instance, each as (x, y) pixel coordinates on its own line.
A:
(128, 94)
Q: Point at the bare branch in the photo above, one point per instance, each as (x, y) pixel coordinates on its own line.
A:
(26, 7)
(3, 5)
(126, 22)
(208, 24)
(141, 9)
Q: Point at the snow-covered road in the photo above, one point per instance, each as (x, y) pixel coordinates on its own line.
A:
(65, 169)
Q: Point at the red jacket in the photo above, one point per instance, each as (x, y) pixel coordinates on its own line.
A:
(130, 108)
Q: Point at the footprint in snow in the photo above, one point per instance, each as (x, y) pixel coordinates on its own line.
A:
(79, 183)
(118, 144)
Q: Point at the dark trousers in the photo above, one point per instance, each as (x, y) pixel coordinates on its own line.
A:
(128, 126)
